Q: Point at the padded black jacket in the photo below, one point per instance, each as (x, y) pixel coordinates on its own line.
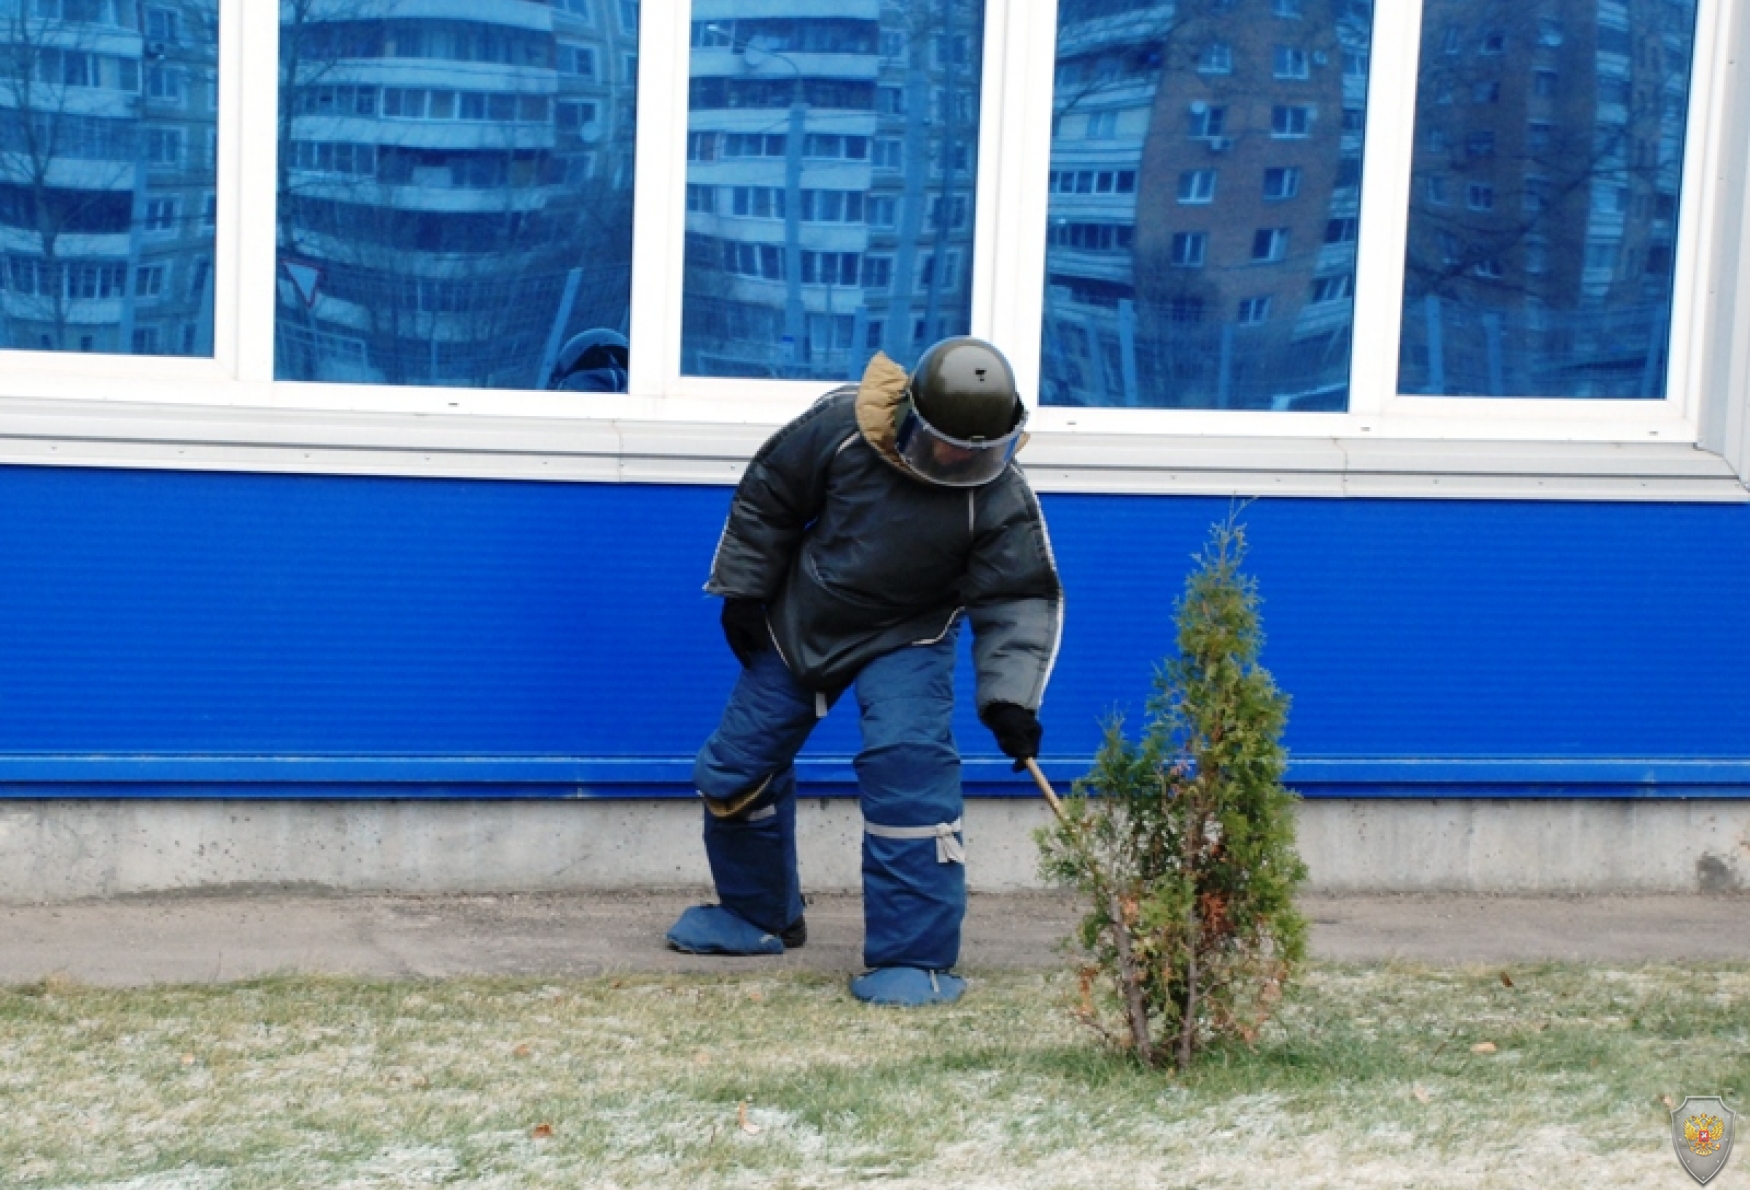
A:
(853, 556)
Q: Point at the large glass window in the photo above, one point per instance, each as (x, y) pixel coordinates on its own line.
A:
(451, 205)
(1193, 243)
(831, 161)
(455, 189)
(105, 168)
(1564, 134)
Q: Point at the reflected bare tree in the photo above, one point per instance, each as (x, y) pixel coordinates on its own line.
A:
(1545, 195)
(1179, 303)
(65, 170)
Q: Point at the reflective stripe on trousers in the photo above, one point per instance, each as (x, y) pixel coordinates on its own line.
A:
(950, 848)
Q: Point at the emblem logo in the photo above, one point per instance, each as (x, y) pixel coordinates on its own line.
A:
(1701, 1132)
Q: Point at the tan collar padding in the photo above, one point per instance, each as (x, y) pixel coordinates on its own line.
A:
(879, 398)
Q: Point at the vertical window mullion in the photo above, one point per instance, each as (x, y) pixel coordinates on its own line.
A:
(1385, 204)
(660, 228)
(1700, 228)
(658, 231)
(245, 189)
(1015, 168)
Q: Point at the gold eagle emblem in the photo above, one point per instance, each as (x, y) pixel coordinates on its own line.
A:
(1702, 1134)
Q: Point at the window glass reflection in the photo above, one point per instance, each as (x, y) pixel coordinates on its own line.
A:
(455, 189)
(1543, 218)
(108, 112)
(1205, 178)
(831, 161)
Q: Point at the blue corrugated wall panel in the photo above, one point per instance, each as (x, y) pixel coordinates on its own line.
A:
(284, 635)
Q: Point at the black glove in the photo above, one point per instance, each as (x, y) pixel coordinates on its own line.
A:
(1017, 730)
(744, 627)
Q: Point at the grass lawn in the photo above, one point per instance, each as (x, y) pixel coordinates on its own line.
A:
(1370, 1077)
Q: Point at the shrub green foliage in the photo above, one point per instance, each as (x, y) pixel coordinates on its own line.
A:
(1183, 841)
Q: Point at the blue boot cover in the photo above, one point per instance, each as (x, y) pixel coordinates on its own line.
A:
(907, 987)
(914, 875)
(712, 929)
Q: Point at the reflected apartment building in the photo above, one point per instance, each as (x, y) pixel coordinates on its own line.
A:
(107, 149)
(1205, 183)
(831, 153)
(1544, 210)
(455, 185)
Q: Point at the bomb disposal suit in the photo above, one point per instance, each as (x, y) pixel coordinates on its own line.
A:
(861, 535)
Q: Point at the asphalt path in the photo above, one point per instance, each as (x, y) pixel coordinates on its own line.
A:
(238, 934)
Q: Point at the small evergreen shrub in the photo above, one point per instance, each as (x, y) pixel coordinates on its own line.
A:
(1183, 841)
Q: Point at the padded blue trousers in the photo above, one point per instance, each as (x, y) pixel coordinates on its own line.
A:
(908, 777)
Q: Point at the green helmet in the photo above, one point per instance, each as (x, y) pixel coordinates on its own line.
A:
(965, 389)
(961, 423)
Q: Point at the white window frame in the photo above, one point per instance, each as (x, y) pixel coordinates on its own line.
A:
(1287, 179)
(164, 83)
(1253, 311)
(162, 218)
(1277, 240)
(1216, 57)
(1188, 249)
(1207, 120)
(168, 17)
(1196, 187)
(1333, 287)
(1100, 125)
(1296, 124)
(582, 59)
(165, 134)
(151, 280)
(1289, 62)
(229, 412)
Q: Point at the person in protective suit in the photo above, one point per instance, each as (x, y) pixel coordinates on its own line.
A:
(860, 536)
(592, 361)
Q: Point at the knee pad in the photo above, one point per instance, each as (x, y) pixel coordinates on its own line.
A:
(731, 792)
(747, 805)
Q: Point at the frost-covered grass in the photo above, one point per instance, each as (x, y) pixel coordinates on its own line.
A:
(1368, 1079)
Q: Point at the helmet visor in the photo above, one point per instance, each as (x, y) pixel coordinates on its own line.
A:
(953, 462)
